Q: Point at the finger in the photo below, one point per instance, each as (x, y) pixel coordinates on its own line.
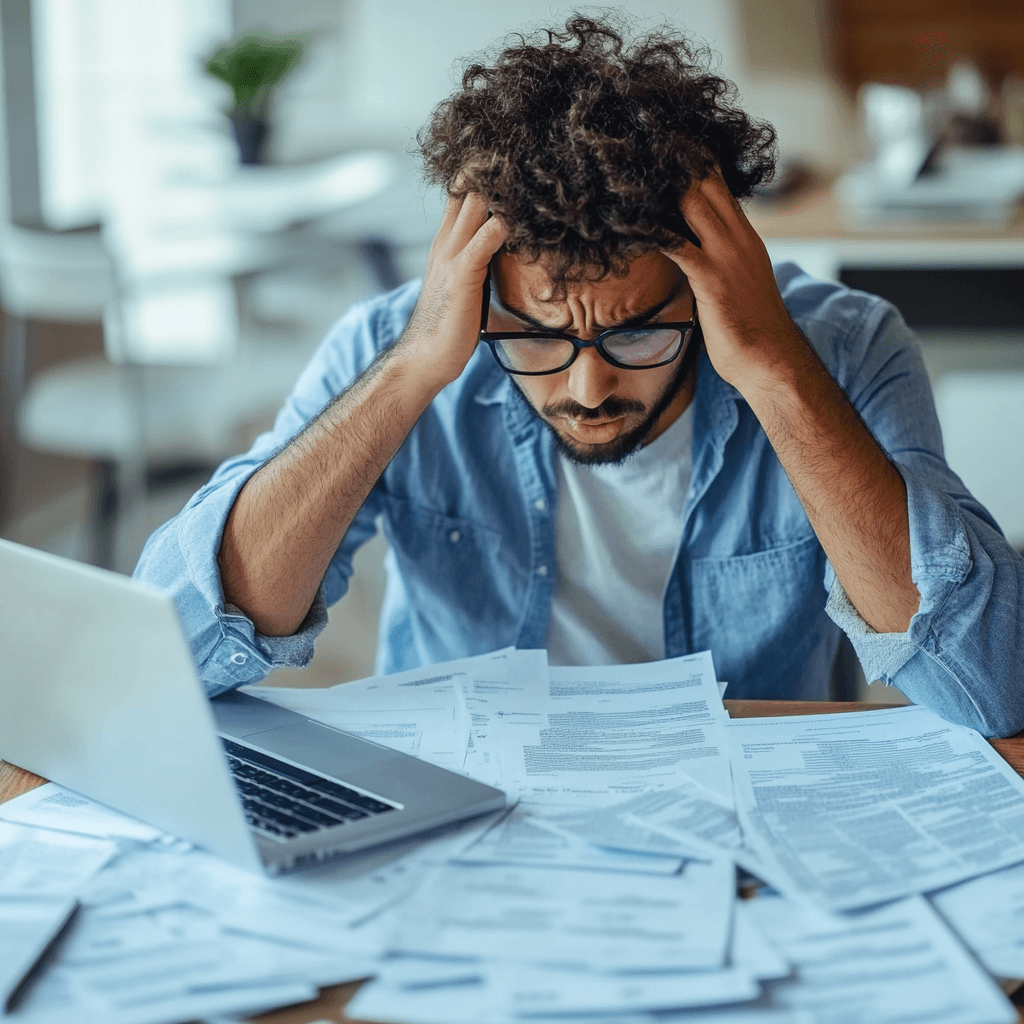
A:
(688, 258)
(473, 214)
(701, 215)
(488, 239)
(720, 197)
(689, 234)
(452, 209)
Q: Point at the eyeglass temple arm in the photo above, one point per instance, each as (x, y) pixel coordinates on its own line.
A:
(485, 304)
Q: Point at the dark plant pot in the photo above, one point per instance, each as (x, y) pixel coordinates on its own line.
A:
(251, 135)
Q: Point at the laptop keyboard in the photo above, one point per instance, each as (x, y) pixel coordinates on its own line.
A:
(284, 801)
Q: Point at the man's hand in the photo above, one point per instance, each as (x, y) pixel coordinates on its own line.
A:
(444, 328)
(854, 497)
(748, 332)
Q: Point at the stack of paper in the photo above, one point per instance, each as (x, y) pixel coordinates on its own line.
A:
(552, 911)
(167, 932)
(446, 714)
(893, 844)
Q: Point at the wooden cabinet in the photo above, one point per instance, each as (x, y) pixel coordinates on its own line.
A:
(913, 42)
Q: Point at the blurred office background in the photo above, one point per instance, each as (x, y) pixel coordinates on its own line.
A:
(159, 297)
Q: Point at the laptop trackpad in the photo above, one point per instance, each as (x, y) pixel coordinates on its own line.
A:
(322, 749)
(239, 716)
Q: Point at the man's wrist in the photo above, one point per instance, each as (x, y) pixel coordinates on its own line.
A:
(777, 374)
(426, 362)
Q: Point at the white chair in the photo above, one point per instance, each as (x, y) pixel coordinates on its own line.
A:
(44, 275)
(982, 418)
(130, 420)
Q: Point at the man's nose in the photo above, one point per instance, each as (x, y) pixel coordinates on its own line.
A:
(591, 379)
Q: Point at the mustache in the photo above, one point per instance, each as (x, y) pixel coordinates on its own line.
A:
(611, 408)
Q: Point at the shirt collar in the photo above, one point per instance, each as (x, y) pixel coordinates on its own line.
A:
(716, 414)
(494, 389)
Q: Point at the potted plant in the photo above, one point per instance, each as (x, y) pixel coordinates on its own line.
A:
(253, 66)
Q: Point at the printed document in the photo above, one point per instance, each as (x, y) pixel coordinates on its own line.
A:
(51, 806)
(521, 836)
(688, 820)
(608, 732)
(422, 712)
(988, 915)
(42, 862)
(887, 965)
(853, 810)
(510, 995)
(598, 920)
(422, 991)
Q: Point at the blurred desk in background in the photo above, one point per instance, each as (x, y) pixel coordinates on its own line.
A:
(814, 231)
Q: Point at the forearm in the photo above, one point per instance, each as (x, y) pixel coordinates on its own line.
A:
(292, 514)
(290, 517)
(854, 497)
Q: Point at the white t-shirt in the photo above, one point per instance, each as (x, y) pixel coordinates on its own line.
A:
(616, 543)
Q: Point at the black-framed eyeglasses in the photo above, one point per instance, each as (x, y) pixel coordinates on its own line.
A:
(534, 353)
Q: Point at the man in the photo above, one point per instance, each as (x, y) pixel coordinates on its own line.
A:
(668, 448)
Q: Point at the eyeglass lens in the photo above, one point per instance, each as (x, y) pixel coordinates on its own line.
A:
(646, 347)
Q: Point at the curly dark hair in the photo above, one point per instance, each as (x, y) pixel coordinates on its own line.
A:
(583, 141)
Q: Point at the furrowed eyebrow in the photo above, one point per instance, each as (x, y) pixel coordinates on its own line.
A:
(634, 321)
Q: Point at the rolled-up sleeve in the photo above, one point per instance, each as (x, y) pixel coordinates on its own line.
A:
(963, 652)
(181, 556)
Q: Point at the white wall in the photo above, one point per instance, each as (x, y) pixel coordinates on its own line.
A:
(377, 69)
(379, 74)
(407, 48)
(102, 69)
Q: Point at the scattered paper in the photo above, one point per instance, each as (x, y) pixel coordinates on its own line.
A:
(686, 821)
(52, 806)
(609, 732)
(421, 712)
(884, 966)
(521, 836)
(599, 920)
(988, 915)
(853, 810)
(607, 893)
(37, 862)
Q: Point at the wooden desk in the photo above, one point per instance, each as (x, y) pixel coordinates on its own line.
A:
(331, 1001)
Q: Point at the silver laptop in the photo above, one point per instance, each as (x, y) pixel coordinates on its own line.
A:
(98, 692)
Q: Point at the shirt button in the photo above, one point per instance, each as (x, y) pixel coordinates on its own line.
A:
(239, 658)
(454, 536)
(540, 504)
(542, 570)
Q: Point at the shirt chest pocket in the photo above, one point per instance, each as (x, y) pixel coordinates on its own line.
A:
(761, 614)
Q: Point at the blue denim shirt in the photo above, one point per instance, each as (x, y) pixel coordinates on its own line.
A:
(468, 507)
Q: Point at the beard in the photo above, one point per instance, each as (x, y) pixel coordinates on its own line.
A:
(618, 451)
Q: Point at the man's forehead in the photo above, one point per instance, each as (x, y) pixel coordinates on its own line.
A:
(526, 285)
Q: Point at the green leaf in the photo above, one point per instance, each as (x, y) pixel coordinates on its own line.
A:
(253, 66)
